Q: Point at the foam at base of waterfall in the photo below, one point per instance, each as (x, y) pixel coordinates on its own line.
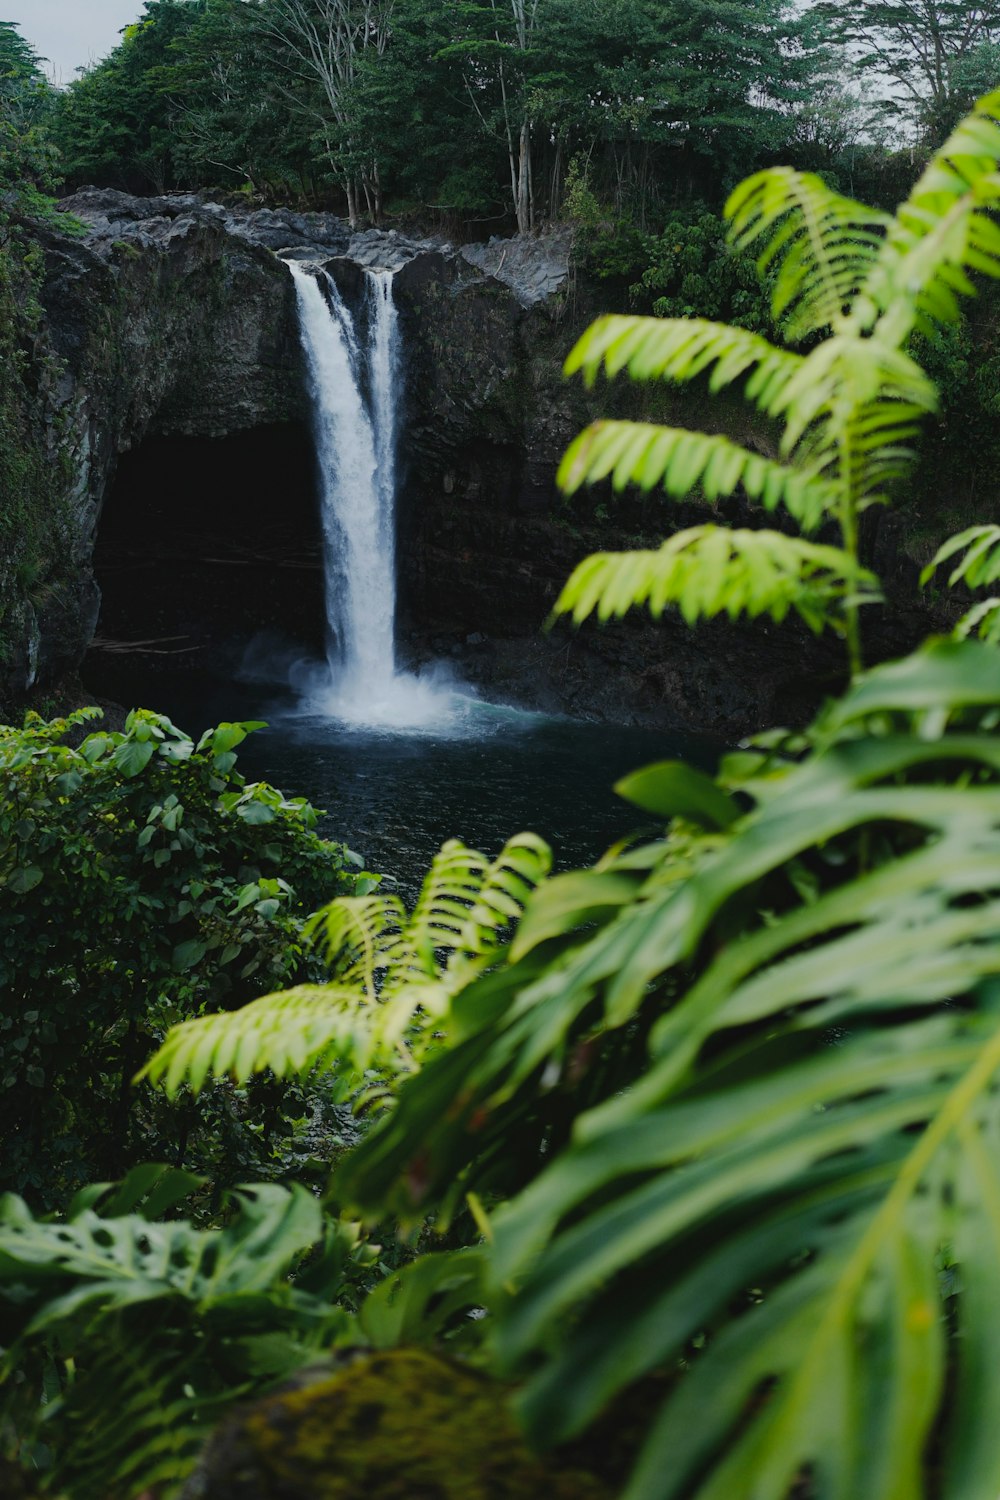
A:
(429, 702)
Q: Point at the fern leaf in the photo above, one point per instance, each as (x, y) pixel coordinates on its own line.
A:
(448, 890)
(859, 401)
(822, 244)
(645, 454)
(708, 570)
(681, 349)
(942, 232)
(982, 620)
(981, 564)
(290, 1034)
(393, 976)
(510, 880)
(360, 935)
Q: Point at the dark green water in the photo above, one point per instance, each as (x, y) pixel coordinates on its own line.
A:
(394, 797)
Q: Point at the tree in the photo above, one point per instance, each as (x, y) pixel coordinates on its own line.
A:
(26, 95)
(230, 120)
(116, 123)
(921, 47)
(319, 45)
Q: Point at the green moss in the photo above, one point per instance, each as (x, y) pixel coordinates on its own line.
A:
(34, 535)
(402, 1425)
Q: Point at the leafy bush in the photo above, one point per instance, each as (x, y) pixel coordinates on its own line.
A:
(141, 881)
(129, 1337)
(692, 271)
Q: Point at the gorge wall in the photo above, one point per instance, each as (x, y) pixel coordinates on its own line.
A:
(177, 424)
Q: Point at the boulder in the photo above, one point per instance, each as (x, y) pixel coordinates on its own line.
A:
(406, 1424)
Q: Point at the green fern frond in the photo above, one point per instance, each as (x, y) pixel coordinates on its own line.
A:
(152, 1442)
(647, 455)
(822, 244)
(681, 349)
(361, 936)
(290, 1033)
(851, 410)
(393, 976)
(981, 564)
(449, 889)
(708, 571)
(941, 233)
(521, 866)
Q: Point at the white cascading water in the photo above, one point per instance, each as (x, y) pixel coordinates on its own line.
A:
(355, 449)
(355, 392)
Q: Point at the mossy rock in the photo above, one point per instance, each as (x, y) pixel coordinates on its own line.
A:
(402, 1425)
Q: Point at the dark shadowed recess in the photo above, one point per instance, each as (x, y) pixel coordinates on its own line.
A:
(202, 544)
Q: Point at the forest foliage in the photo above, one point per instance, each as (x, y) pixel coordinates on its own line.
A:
(707, 1131)
(711, 1133)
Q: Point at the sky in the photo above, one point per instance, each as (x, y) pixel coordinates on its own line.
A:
(70, 34)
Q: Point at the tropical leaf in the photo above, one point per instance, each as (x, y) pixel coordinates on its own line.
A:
(821, 245)
(672, 789)
(767, 1215)
(681, 349)
(982, 621)
(132, 1337)
(682, 462)
(393, 975)
(708, 571)
(431, 1298)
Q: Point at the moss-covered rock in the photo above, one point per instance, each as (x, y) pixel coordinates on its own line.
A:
(401, 1425)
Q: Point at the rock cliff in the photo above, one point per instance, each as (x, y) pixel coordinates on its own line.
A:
(184, 464)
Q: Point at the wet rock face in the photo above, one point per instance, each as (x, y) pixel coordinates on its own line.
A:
(393, 1426)
(174, 317)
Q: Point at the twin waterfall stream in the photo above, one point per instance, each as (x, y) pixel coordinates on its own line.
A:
(356, 389)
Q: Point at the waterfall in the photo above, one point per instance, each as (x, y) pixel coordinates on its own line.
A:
(354, 398)
(355, 387)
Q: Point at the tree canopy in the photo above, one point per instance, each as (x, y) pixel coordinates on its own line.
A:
(933, 53)
(473, 108)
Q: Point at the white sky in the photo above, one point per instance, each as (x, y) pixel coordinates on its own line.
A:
(70, 34)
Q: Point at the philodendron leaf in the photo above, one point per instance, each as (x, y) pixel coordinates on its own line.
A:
(673, 789)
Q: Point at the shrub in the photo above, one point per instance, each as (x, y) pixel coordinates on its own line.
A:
(141, 881)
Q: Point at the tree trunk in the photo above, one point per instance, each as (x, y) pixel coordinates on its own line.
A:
(523, 199)
(555, 181)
